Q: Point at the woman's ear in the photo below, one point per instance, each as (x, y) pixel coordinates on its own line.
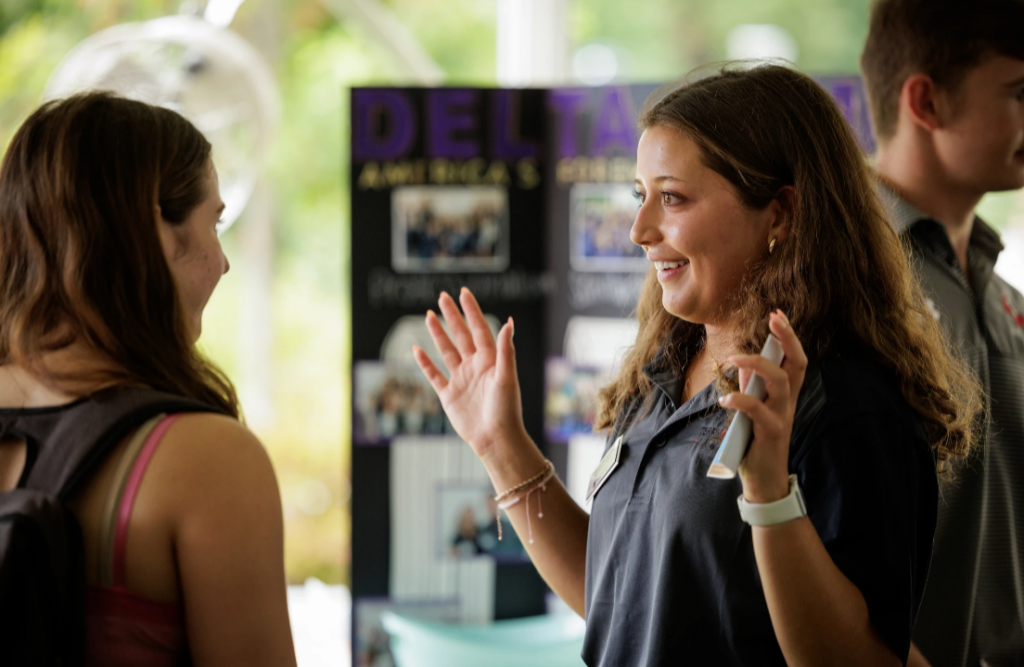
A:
(785, 204)
(170, 240)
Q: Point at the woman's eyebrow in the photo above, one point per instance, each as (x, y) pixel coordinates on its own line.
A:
(659, 179)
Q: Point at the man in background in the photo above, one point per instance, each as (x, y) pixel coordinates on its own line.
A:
(945, 80)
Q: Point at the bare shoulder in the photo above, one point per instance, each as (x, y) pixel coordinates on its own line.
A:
(213, 457)
(210, 437)
(226, 527)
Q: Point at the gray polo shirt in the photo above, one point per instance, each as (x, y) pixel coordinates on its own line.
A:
(973, 608)
(671, 576)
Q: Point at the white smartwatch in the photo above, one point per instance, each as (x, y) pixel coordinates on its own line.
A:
(769, 514)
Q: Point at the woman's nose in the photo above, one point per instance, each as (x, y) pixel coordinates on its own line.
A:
(644, 231)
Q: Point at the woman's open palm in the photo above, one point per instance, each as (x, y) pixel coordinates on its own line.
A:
(481, 393)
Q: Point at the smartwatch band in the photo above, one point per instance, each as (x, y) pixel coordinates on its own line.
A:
(769, 514)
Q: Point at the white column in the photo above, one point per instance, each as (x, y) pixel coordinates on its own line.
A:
(533, 42)
(256, 320)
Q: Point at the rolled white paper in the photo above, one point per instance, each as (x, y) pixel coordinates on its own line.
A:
(737, 438)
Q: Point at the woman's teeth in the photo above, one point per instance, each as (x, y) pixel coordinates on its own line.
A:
(662, 266)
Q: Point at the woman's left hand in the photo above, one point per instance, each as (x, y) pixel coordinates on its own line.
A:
(764, 471)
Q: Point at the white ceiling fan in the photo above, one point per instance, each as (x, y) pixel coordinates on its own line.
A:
(197, 67)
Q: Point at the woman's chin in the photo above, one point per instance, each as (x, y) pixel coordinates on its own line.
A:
(691, 315)
(677, 310)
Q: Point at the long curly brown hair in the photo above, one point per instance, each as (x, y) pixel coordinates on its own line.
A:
(80, 253)
(841, 268)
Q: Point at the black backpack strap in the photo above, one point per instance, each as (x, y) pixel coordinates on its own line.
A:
(66, 444)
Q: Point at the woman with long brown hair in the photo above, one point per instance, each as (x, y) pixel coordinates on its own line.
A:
(109, 253)
(757, 211)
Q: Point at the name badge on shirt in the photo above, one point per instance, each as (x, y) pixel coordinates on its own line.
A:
(609, 462)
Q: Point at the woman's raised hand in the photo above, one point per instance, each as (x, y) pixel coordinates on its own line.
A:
(481, 393)
(764, 471)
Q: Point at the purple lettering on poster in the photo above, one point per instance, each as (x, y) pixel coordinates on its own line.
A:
(616, 123)
(384, 125)
(848, 92)
(566, 104)
(453, 122)
(506, 140)
(843, 93)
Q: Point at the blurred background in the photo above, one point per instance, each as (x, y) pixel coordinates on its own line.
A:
(279, 322)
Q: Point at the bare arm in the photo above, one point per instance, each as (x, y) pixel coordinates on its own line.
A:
(229, 542)
(820, 617)
(481, 398)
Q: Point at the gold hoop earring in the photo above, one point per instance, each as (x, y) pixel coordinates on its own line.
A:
(771, 246)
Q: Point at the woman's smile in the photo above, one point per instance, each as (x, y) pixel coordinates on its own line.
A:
(669, 270)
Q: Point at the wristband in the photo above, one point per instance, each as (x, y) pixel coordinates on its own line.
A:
(769, 514)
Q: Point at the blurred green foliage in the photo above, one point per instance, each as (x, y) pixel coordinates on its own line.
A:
(664, 39)
(317, 56)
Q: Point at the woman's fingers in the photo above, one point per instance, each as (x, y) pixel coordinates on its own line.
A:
(776, 380)
(457, 325)
(437, 379)
(764, 418)
(795, 363)
(448, 351)
(481, 331)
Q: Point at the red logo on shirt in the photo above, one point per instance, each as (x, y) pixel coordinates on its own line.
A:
(1017, 317)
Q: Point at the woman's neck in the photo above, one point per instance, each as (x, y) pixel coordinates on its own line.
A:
(720, 342)
(704, 366)
(19, 388)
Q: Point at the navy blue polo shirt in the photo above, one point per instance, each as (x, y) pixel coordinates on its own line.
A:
(671, 574)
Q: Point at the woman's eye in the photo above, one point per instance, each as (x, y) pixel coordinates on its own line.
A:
(670, 198)
(639, 196)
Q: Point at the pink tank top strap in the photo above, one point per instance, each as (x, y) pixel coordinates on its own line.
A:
(131, 491)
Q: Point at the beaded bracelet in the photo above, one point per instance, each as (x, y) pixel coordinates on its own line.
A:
(548, 467)
(524, 490)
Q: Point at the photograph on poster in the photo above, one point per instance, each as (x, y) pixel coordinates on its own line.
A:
(441, 229)
(373, 645)
(467, 525)
(392, 400)
(570, 400)
(599, 342)
(600, 217)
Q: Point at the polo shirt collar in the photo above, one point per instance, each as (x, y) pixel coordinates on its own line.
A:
(665, 379)
(661, 375)
(905, 217)
(986, 239)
